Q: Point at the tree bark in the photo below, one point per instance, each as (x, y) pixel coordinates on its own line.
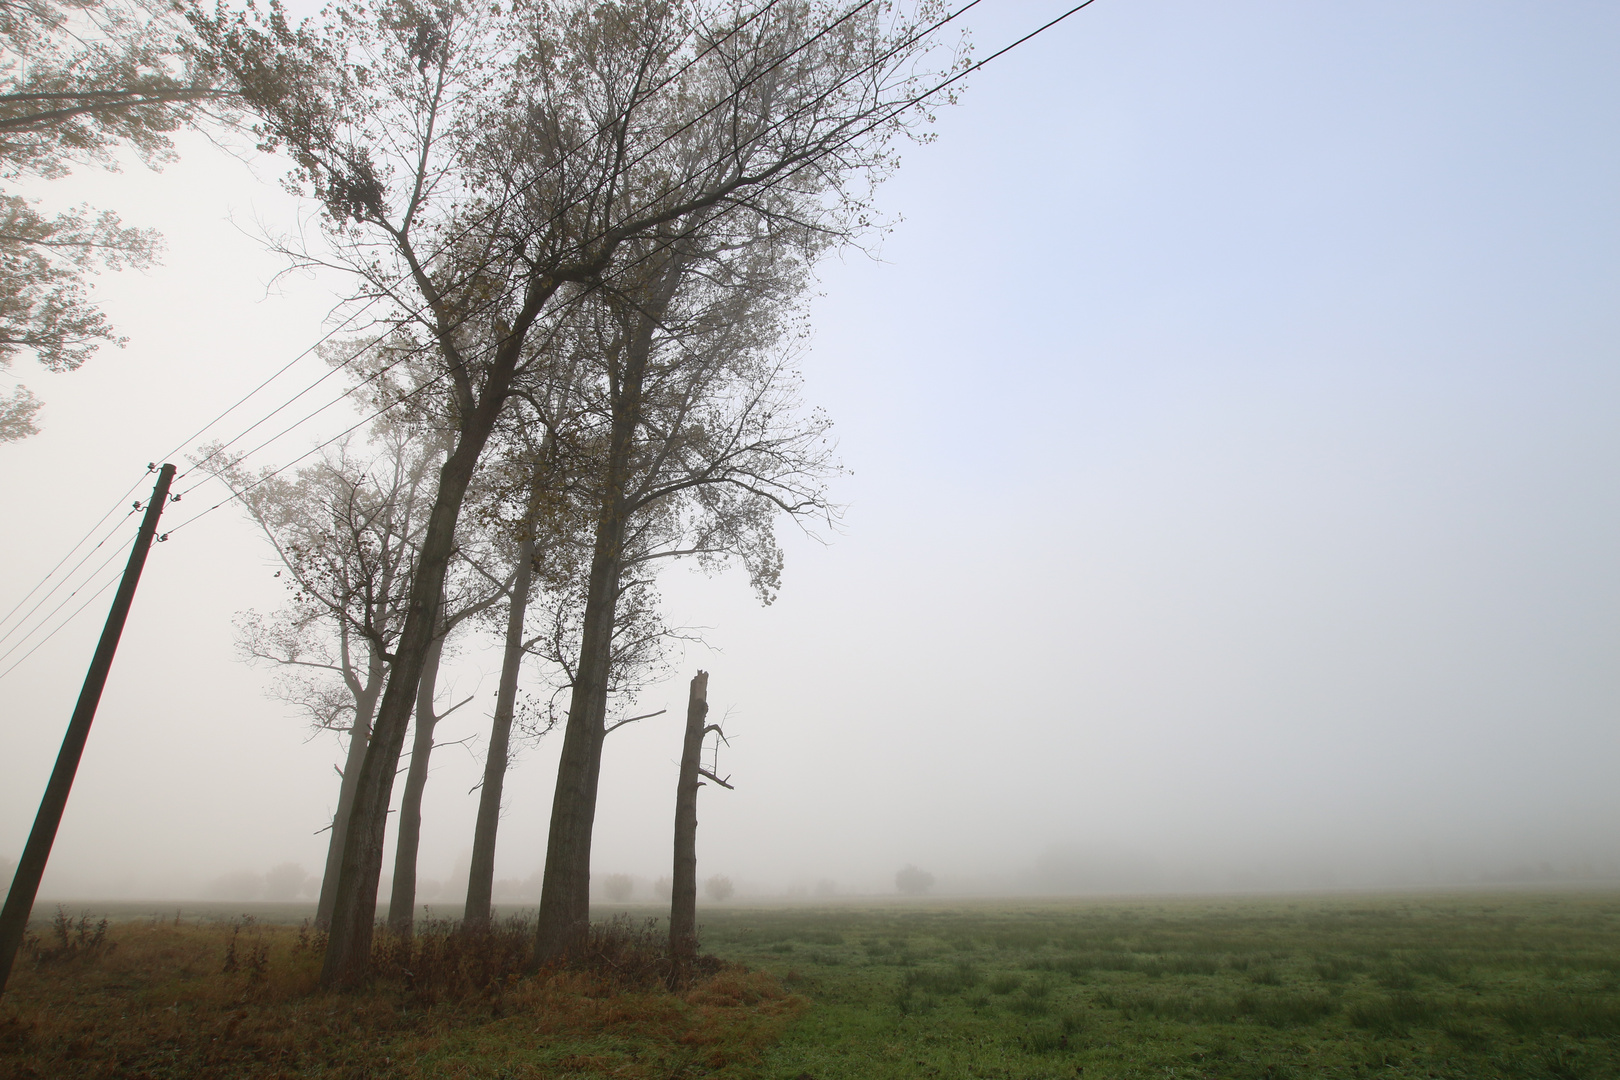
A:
(402, 900)
(348, 949)
(683, 897)
(481, 877)
(565, 897)
(359, 735)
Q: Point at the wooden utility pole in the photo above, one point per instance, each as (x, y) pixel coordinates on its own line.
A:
(25, 882)
(683, 896)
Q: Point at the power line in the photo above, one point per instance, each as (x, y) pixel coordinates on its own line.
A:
(88, 533)
(65, 579)
(267, 477)
(488, 215)
(183, 443)
(203, 464)
(66, 600)
(109, 583)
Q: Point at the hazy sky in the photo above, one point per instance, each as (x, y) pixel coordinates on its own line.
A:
(1234, 494)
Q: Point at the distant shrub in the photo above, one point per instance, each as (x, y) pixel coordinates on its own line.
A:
(719, 888)
(288, 881)
(912, 881)
(618, 887)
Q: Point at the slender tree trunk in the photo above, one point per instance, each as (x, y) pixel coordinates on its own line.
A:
(565, 897)
(348, 950)
(481, 878)
(683, 897)
(364, 708)
(354, 911)
(402, 900)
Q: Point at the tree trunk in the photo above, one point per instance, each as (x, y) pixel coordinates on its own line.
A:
(402, 900)
(683, 898)
(481, 877)
(348, 949)
(565, 897)
(354, 912)
(364, 708)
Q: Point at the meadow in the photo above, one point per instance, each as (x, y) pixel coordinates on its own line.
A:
(1432, 986)
(1444, 985)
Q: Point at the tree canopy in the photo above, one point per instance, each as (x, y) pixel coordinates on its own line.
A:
(79, 81)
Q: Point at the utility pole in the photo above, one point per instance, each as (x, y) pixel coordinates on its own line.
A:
(25, 882)
(683, 895)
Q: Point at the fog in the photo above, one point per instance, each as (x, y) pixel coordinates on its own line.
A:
(1233, 501)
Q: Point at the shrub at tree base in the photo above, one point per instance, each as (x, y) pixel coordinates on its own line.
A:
(160, 1006)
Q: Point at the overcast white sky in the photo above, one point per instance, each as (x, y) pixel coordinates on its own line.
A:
(1234, 497)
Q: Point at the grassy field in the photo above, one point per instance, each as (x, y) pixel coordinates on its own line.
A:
(1460, 985)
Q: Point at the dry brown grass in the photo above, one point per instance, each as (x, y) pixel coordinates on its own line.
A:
(156, 1001)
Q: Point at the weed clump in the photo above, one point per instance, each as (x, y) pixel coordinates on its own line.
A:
(70, 939)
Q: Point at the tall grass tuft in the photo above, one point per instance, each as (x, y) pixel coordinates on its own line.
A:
(953, 980)
(1393, 1013)
(70, 939)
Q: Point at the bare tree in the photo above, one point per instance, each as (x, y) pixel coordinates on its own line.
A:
(481, 167)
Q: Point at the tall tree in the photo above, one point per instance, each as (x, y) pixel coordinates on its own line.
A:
(480, 167)
(473, 593)
(703, 445)
(78, 80)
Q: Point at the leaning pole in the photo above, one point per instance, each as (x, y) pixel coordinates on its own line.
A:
(25, 882)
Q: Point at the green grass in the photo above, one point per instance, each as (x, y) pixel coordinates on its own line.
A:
(1463, 986)
(1446, 986)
